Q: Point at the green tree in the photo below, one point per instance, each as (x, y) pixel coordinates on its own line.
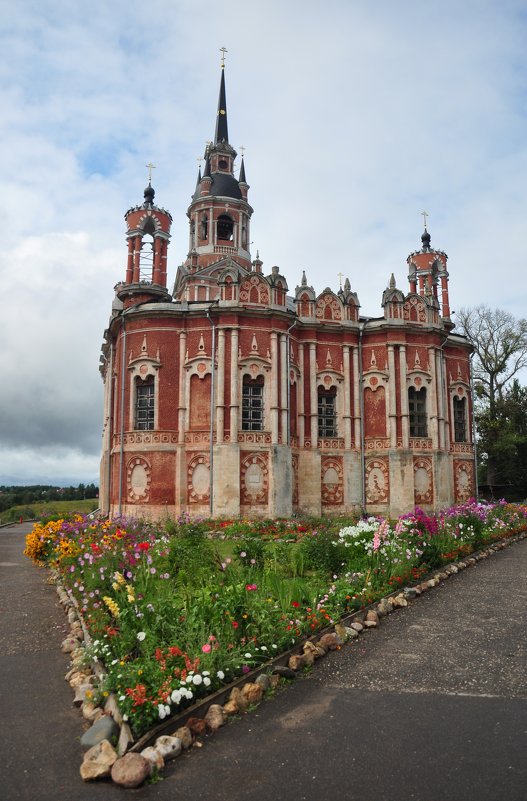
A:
(500, 352)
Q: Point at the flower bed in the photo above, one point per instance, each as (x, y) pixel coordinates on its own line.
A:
(176, 612)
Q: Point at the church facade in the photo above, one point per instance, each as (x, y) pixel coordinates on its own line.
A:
(230, 397)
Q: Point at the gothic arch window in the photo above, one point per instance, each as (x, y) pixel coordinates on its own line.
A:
(252, 403)
(327, 412)
(204, 227)
(225, 227)
(417, 412)
(144, 404)
(460, 419)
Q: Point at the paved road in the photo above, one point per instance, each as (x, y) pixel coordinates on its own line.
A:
(432, 706)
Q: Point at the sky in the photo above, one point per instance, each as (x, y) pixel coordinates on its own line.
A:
(355, 117)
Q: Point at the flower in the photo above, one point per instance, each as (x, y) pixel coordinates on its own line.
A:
(141, 635)
(197, 679)
(206, 648)
(220, 674)
(234, 624)
(206, 681)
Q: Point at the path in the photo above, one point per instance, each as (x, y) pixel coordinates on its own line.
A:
(432, 706)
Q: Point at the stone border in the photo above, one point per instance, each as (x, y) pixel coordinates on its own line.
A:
(130, 763)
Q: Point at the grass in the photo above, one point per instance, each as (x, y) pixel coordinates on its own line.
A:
(40, 509)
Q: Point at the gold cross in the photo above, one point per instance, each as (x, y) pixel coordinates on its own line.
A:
(223, 50)
(340, 277)
(150, 168)
(425, 215)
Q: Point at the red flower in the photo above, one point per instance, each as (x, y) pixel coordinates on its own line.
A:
(295, 604)
(143, 546)
(235, 624)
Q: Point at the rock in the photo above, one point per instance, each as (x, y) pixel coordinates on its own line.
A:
(340, 631)
(126, 738)
(69, 645)
(410, 593)
(351, 633)
(111, 707)
(184, 735)
(154, 757)
(231, 708)
(321, 651)
(329, 641)
(91, 712)
(103, 729)
(197, 726)
(284, 672)
(274, 681)
(72, 615)
(77, 678)
(131, 770)
(98, 761)
(168, 747)
(370, 624)
(400, 600)
(297, 662)
(358, 627)
(215, 717)
(252, 693)
(263, 681)
(372, 616)
(238, 698)
(83, 693)
(309, 658)
(311, 648)
(384, 607)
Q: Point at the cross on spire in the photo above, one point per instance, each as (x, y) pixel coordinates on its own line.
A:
(242, 150)
(340, 277)
(425, 214)
(150, 168)
(223, 50)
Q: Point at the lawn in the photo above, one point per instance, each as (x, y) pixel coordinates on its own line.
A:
(178, 610)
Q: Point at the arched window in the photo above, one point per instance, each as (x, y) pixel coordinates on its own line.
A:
(417, 412)
(146, 258)
(327, 412)
(252, 403)
(204, 227)
(225, 227)
(144, 404)
(460, 420)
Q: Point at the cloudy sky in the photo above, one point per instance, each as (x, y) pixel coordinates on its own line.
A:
(355, 117)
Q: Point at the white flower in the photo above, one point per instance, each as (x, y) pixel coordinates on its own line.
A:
(176, 697)
(141, 635)
(206, 681)
(248, 656)
(206, 673)
(220, 674)
(263, 648)
(190, 695)
(197, 679)
(161, 712)
(125, 717)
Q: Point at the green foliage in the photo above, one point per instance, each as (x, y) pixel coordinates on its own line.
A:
(322, 551)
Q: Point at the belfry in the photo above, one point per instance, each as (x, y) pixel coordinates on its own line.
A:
(227, 396)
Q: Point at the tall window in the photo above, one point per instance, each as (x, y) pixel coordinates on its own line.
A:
(417, 411)
(225, 227)
(252, 404)
(144, 404)
(327, 412)
(460, 420)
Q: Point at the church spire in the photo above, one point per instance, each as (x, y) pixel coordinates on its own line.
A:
(222, 131)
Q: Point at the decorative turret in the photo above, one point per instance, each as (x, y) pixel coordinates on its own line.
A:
(148, 235)
(219, 213)
(428, 269)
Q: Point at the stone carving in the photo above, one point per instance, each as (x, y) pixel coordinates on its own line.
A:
(414, 310)
(328, 308)
(423, 481)
(198, 479)
(254, 479)
(377, 481)
(332, 489)
(138, 478)
(463, 480)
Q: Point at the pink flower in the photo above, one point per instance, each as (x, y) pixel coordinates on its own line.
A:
(251, 587)
(206, 648)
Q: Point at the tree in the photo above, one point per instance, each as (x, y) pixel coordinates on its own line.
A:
(500, 347)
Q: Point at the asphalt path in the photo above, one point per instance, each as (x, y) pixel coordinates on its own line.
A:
(431, 706)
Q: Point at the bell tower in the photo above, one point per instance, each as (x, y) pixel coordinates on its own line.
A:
(148, 235)
(219, 213)
(428, 274)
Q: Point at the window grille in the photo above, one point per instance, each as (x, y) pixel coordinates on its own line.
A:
(252, 404)
(417, 411)
(327, 413)
(144, 405)
(460, 420)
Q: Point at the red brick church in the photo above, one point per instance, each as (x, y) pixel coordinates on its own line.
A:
(228, 396)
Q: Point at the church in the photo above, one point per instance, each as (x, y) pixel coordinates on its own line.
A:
(229, 395)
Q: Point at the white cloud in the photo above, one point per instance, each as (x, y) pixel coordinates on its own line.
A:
(355, 116)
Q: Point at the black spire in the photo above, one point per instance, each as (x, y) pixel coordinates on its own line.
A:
(242, 179)
(222, 132)
(149, 195)
(425, 239)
